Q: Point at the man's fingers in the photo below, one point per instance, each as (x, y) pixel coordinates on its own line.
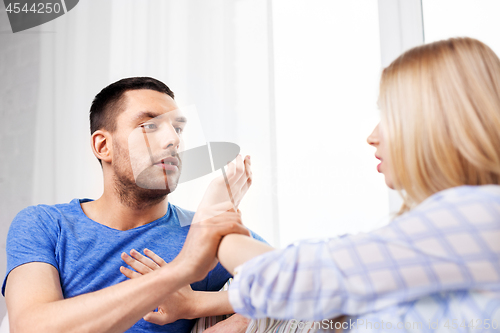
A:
(223, 224)
(220, 217)
(240, 167)
(235, 169)
(230, 171)
(246, 186)
(248, 166)
(129, 273)
(242, 173)
(156, 318)
(240, 185)
(212, 211)
(138, 266)
(248, 170)
(231, 227)
(156, 258)
(144, 260)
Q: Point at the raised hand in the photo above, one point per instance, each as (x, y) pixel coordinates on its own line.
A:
(239, 179)
(179, 305)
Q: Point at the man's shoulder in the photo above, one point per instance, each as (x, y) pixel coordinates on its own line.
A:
(45, 212)
(185, 216)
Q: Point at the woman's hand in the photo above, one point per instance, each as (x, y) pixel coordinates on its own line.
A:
(179, 304)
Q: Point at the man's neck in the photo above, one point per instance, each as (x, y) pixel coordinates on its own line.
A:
(110, 211)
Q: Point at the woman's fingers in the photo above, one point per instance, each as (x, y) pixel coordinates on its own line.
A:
(156, 258)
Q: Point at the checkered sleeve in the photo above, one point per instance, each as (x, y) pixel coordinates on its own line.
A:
(449, 242)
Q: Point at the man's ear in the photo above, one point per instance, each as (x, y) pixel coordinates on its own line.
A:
(101, 143)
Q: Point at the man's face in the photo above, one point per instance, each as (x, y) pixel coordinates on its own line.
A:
(146, 144)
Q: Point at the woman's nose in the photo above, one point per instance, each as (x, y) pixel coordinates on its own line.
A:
(373, 139)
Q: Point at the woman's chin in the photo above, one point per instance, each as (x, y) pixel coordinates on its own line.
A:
(389, 183)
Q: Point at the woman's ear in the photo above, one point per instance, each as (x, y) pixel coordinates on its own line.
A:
(101, 143)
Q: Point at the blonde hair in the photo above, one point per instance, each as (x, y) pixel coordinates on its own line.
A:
(440, 108)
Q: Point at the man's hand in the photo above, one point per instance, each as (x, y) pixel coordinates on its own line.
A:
(182, 304)
(198, 255)
(239, 180)
(178, 305)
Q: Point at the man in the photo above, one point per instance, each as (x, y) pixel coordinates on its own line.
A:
(63, 261)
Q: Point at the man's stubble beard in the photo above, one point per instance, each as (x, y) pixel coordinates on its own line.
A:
(129, 193)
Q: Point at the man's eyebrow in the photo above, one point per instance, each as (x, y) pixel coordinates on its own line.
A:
(146, 114)
(151, 115)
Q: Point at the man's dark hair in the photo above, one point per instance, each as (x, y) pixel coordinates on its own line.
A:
(107, 104)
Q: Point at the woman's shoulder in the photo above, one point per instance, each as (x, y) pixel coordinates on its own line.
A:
(477, 204)
(464, 195)
(459, 193)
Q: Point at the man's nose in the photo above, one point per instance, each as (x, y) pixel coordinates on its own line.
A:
(170, 138)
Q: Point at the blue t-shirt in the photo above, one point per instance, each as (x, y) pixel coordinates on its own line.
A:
(87, 253)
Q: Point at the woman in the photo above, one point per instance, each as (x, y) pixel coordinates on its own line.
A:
(437, 264)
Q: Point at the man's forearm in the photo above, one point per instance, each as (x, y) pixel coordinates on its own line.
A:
(113, 309)
(235, 250)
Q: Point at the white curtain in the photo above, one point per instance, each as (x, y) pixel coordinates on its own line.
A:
(212, 54)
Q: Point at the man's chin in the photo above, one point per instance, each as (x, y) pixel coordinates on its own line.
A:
(161, 182)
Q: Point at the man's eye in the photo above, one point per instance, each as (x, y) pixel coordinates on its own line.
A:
(149, 127)
(178, 130)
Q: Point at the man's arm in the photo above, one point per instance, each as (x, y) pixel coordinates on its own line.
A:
(183, 303)
(35, 302)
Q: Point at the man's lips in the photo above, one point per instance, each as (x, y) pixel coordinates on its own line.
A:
(169, 163)
(169, 160)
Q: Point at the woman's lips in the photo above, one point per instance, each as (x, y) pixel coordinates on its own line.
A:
(378, 166)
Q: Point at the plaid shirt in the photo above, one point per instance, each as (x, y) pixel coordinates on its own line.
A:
(438, 262)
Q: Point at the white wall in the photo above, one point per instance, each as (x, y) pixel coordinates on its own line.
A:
(458, 18)
(327, 67)
(19, 72)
